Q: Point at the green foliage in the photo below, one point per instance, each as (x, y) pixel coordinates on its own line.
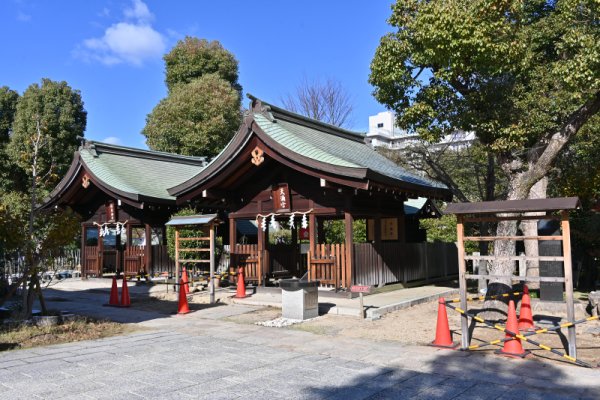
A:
(440, 229)
(335, 231)
(8, 107)
(61, 116)
(511, 71)
(192, 58)
(185, 232)
(196, 119)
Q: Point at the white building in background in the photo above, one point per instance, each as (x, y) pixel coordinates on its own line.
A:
(384, 133)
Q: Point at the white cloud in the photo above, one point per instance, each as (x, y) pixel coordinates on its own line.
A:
(131, 42)
(112, 140)
(139, 12)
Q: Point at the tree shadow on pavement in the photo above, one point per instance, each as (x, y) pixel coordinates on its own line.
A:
(440, 374)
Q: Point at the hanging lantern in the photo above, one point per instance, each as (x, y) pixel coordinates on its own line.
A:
(304, 221)
(273, 223)
(263, 223)
(291, 223)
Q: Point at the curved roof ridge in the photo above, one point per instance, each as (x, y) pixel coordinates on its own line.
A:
(261, 106)
(92, 146)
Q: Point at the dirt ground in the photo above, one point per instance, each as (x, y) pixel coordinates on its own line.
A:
(416, 326)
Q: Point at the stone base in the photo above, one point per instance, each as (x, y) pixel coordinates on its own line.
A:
(541, 309)
(300, 304)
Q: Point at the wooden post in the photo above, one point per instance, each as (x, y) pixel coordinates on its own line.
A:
(462, 281)
(402, 227)
(82, 258)
(377, 237)
(261, 245)
(312, 237)
(212, 264)
(568, 270)
(362, 306)
(149, 268)
(176, 259)
(233, 234)
(320, 230)
(349, 242)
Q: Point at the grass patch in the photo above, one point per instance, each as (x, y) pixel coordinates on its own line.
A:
(23, 336)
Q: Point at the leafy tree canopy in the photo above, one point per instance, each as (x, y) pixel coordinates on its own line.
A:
(197, 118)
(8, 106)
(192, 58)
(523, 75)
(59, 111)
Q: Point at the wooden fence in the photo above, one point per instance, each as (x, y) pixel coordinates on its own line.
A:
(327, 264)
(403, 262)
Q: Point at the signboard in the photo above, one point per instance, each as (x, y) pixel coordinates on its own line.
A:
(111, 211)
(389, 229)
(360, 289)
(281, 198)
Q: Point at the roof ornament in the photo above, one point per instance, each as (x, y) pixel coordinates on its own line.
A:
(257, 156)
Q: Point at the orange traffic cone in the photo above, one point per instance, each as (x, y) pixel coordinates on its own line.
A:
(183, 307)
(525, 316)
(114, 293)
(185, 280)
(443, 338)
(125, 300)
(512, 348)
(241, 285)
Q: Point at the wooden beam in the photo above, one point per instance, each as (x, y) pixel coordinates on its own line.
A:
(494, 238)
(568, 270)
(515, 258)
(312, 232)
(516, 278)
(377, 240)
(462, 281)
(508, 218)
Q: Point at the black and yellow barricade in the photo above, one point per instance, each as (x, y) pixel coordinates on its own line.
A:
(518, 336)
(482, 298)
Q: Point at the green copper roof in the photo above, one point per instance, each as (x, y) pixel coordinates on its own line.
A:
(140, 173)
(335, 146)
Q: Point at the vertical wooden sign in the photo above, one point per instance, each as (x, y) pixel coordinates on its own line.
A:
(281, 198)
(111, 211)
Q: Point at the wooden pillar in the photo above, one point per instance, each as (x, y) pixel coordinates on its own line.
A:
(312, 233)
(212, 263)
(233, 233)
(320, 230)
(462, 281)
(148, 250)
(262, 244)
(82, 258)
(568, 270)
(377, 244)
(348, 222)
(176, 259)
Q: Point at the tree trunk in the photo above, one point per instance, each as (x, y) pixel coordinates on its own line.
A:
(530, 228)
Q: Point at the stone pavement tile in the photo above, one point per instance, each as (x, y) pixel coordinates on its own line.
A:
(161, 388)
(113, 394)
(200, 392)
(11, 363)
(519, 394)
(394, 393)
(47, 357)
(16, 355)
(57, 391)
(442, 392)
(32, 369)
(352, 393)
(18, 395)
(422, 380)
(264, 395)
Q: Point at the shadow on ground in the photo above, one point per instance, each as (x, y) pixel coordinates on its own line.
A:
(461, 375)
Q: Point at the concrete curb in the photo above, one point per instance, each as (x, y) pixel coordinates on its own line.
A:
(377, 313)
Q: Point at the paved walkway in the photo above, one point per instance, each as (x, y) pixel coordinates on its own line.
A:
(201, 356)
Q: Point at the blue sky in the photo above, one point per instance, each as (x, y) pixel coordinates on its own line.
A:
(112, 50)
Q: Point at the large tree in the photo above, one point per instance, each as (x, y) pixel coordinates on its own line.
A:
(196, 119)
(202, 110)
(327, 101)
(8, 107)
(523, 75)
(48, 119)
(57, 110)
(192, 58)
